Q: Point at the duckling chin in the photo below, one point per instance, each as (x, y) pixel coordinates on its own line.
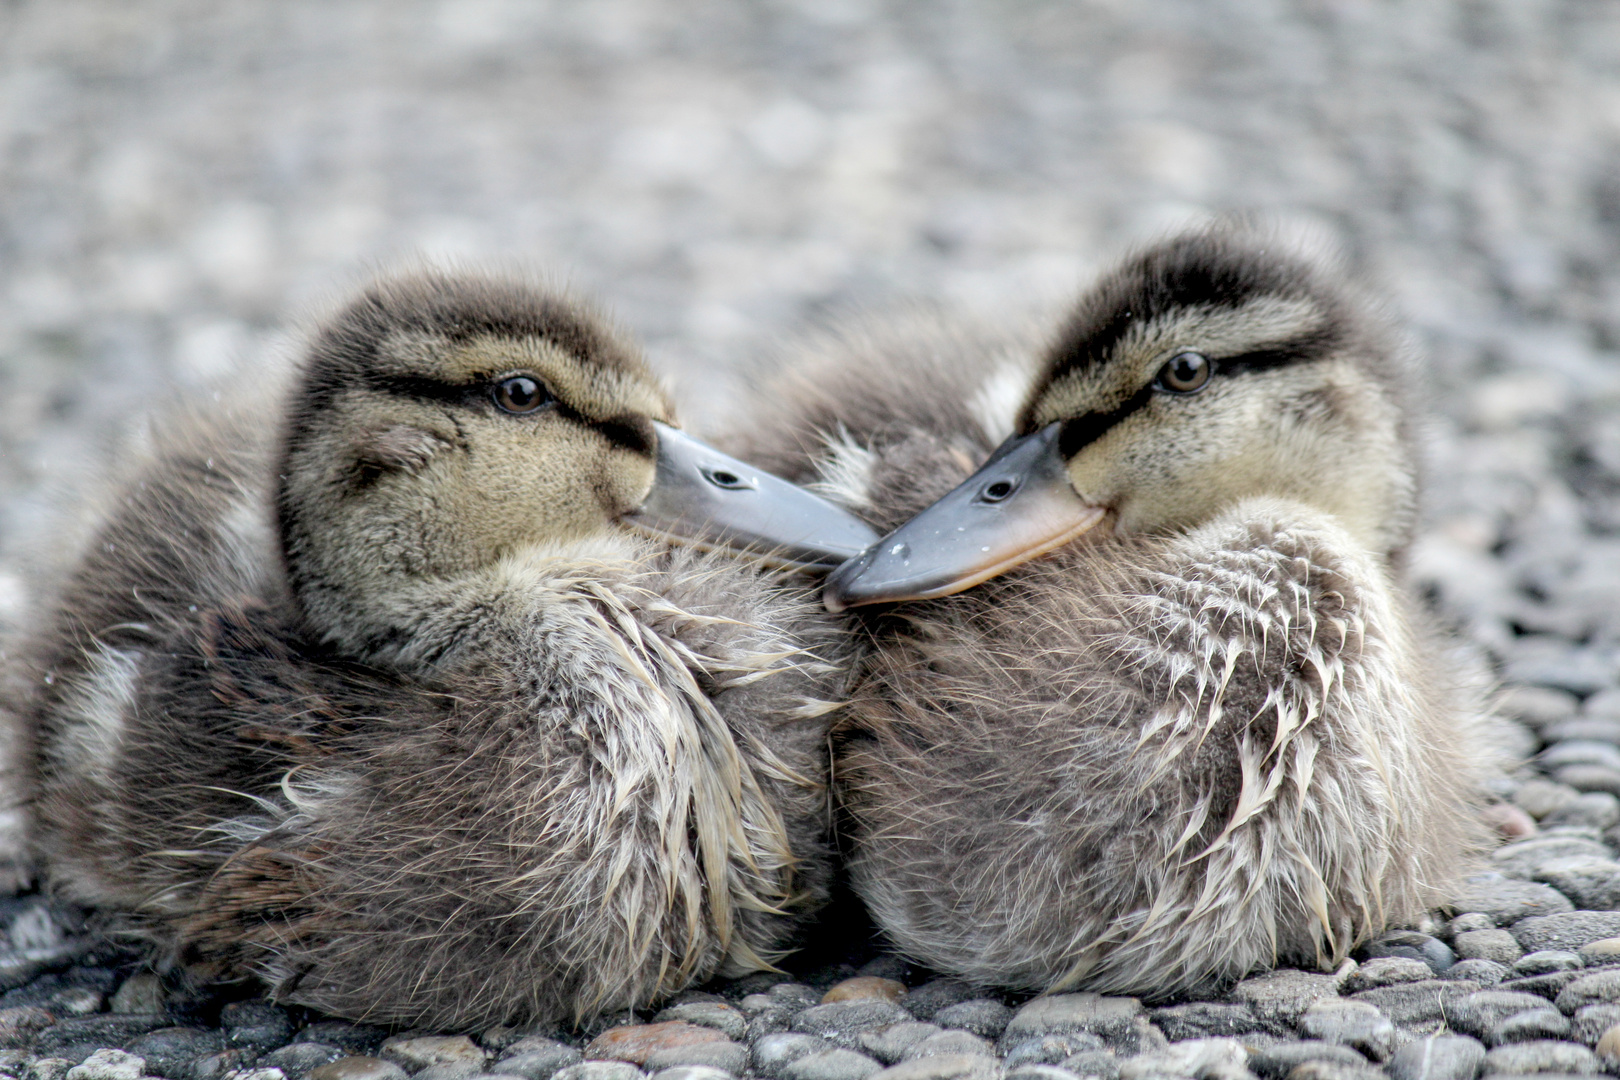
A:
(378, 688)
(1191, 722)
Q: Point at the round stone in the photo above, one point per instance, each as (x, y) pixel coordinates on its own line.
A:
(1568, 930)
(358, 1067)
(637, 1042)
(890, 1044)
(297, 1060)
(725, 1056)
(691, 1072)
(949, 1042)
(730, 1021)
(1543, 1023)
(1608, 1047)
(774, 1051)
(1479, 1013)
(1593, 810)
(414, 1055)
(1497, 945)
(865, 988)
(1547, 961)
(1385, 971)
(929, 998)
(1414, 946)
(1600, 987)
(1592, 883)
(1507, 900)
(108, 1065)
(1484, 972)
(1350, 1023)
(536, 1062)
(981, 1016)
(1542, 1056)
(1439, 1057)
(944, 1067)
(19, 1025)
(842, 1022)
(1602, 951)
(600, 1070)
(835, 1064)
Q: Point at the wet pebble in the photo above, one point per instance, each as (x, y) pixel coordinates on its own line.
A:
(770, 1054)
(1213, 1059)
(358, 1067)
(1281, 1059)
(535, 1058)
(1413, 946)
(638, 1042)
(1053, 1049)
(726, 1056)
(256, 1025)
(1439, 1057)
(78, 1036)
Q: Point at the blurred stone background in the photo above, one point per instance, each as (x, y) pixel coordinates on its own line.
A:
(181, 181)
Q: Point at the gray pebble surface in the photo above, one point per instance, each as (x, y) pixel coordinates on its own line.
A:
(181, 183)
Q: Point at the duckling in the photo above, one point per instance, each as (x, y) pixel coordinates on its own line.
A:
(1191, 722)
(388, 688)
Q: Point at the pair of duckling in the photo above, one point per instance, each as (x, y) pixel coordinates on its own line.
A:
(400, 694)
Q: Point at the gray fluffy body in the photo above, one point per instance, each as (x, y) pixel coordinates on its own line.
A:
(365, 693)
(1219, 736)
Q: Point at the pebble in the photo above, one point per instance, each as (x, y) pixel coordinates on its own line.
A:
(256, 1025)
(94, 1032)
(77, 1001)
(138, 994)
(1602, 951)
(1547, 961)
(49, 1068)
(691, 1072)
(536, 1059)
(1590, 777)
(726, 1056)
(638, 1042)
(1593, 884)
(863, 988)
(1388, 971)
(1109, 1018)
(1537, 706)
(1594, 810)
(1484, 972)
(835, 1064)
(1600, 987)
(724, 1018)
(170, 1051)
(1473, 920)
(1350, 1023)
(1496, 945)
(108, 1065)
(1439, 1057)
(1200, 1020)
(929, 998)
(1548, 986)
(1210, 1059)
(772, 1052)
(255, 1074)
(1508, 821)
(1543, 1023)
(1098, 1064)
(890, 1044)
(1418, 1002)
(1478, 1013)
(1052, 1049)
(214, 1066)
(19, 1025)
(949, 1042)
(1282, 1058)
(1038, 1072)
(600, 1070)
(1508, 900)
(1279, 998)
(981, 1016)
(1608, 1048)
(457, 1051)
(1413, 946)
(1591, 1022)
(1541, 1056)
(1569, 930)
(299, 1059)
(1525, 858)
(358, 1067)
(944, 1067)
(842, 1023)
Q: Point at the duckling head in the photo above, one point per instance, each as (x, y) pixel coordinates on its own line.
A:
(1209, 369)
(444, 423)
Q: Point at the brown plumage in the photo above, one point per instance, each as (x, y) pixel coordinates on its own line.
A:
(364, 687)
(1214, 733)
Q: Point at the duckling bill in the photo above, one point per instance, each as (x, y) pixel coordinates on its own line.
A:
(385, 696)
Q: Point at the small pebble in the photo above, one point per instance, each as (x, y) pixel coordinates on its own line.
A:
(255, 1074)
(1387, 971)
(864, 988)
(1537, 706)
(358, 1068)
(108, 1065)
(355, 1038)
(1439, 1057)
(139, 994)
(1542, 1056)
(1602, 951)
(1600, 987)
(1507, 900)
(600, 1070)
(637, 1042)
(1543, 1023)
(1508, 821)
(1419, 1002)
(256, 1025)
(1591, 1022)
(1281, 1059)
(890, 1044)
(19, 1025)
(1038, 1072)
(1594, 810)
(835, 1064)
(949, 1042)
(726, 1019)
(49, 1068)
(772, 1052)
(1608, 1048)
(1496, 945)
(1279, 998)
(1472, 920)
(981, 1016)
(1098, 1064)
(1204, 1019)
(536, 1059)
(1547, 961)
(1593, 884)
(725, 1056)
(77, 1001)
(1052, 1049)
(842, 1023)
(691, 1072)
(928, 999)
(299, 1059)
(1569, 930)
(1350, 1023)
(1414, 946)
(1484, 972)
(944, 1067)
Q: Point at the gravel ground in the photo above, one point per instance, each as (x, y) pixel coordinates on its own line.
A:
(181, 182)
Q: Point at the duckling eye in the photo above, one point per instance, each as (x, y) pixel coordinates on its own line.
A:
(1185, 373)
(521, 394)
